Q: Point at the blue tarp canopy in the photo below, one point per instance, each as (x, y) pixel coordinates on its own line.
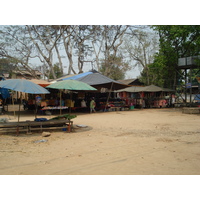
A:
(197, 97)
(96, 79)
(4, 93)
(76, 76)
(22, 85)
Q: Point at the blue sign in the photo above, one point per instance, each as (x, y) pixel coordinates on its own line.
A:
(188, 85)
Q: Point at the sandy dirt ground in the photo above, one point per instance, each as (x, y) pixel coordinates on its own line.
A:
(137, 142)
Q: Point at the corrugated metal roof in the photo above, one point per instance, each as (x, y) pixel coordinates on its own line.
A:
(75, 77)
(97, 79)
(62, 77)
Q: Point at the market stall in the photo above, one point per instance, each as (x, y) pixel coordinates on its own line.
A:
(70, 85)
(147, 97)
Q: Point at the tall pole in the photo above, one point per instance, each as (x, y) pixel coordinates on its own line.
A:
(13, 103)
(19, 113)
(108, 96)
(70, 102)
(20, 105)
(60, 102)
(186, 86)
(191, 87)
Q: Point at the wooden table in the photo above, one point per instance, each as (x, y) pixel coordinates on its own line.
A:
(28, 126)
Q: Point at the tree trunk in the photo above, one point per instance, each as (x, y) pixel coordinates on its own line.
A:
(68, 50)
(59, 59)
(49, 50)
(97, 54)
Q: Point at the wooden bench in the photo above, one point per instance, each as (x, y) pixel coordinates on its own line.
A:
(28, 126)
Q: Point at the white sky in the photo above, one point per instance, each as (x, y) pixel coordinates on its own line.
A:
(104, 12)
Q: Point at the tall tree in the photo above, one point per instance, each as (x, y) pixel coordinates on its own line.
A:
(113, 38)
(97, 43)
(68, 42)
(84, 43)
(83, 50)
(7, 65)
(141, 45)
(17, 47)
(176, 41)
(117, 69)
(45, 41)
(57, 71)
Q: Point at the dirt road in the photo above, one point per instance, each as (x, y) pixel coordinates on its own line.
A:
(149, 141)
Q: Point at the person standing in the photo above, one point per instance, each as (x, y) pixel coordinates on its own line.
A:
(1, 107)
(38, 100)
(92, 105)
(173, 101)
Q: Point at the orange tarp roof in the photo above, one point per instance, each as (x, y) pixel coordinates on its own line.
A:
(40, 82)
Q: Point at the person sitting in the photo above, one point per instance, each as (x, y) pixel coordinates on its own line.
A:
(83, 104)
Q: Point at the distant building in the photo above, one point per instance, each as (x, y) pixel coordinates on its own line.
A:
(18, 74)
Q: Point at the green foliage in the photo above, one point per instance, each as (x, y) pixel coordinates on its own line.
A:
(183, 39)
(195, 73)
(176, 41)
(117, 68)
(7, 65)
(57, 71)
(155, 76)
